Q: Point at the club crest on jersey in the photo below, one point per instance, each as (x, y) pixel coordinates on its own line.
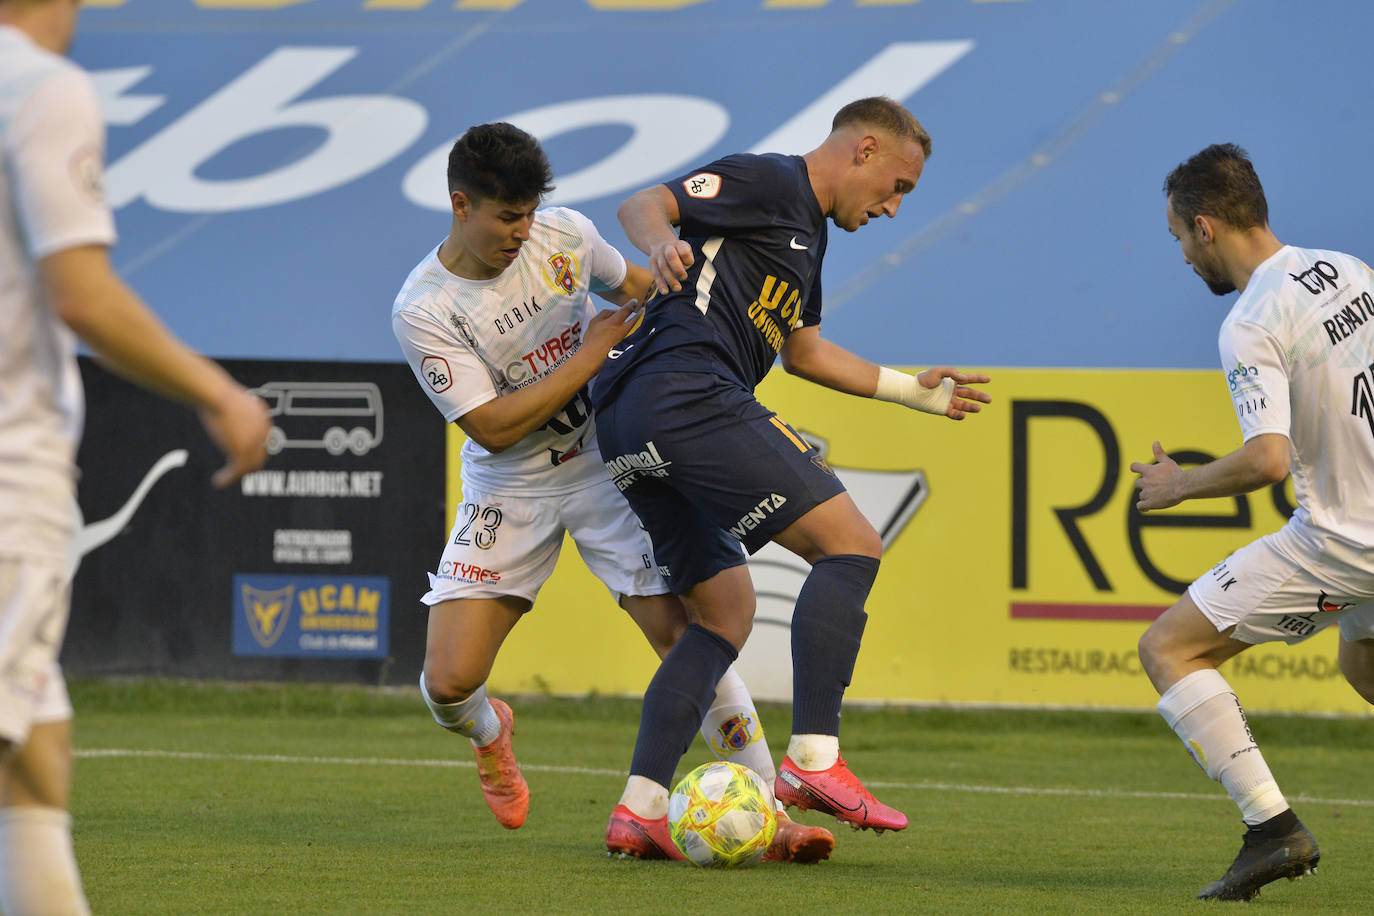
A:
(734, 735)
(463, 327)
(703, 184)
(560, 272)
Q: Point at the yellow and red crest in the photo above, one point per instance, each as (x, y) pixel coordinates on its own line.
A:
(560, 272)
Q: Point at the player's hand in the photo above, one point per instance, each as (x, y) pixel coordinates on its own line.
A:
(1157, 481)
(238, 424)
(668, 263)
(609, 327)
(965, 400)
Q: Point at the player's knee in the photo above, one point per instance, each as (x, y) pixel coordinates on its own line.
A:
(661, 618)
(1358, 668)
(858, 538)
(836, 528)
(736, 633)
(445, 685)
(740, 632)
(857, 543)
(868, 543)
(733, 628)
(1153, 649)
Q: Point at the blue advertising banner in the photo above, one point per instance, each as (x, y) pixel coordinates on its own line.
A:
(278, 167)
(311, 616)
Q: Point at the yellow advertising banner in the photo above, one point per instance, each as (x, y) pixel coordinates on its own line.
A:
(1016, 569)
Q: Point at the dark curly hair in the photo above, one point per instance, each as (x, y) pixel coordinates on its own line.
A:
(499, 161)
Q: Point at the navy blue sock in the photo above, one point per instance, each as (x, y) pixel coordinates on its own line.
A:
(827, 627)
(677, 700)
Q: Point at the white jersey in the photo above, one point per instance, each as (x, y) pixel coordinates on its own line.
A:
(470, 341)
(1298, 350)
(52, 145)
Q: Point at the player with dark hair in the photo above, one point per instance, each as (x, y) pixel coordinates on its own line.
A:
(499, 328)
(1298, 353)
(713, 473)
(499, 161)
(58, 285)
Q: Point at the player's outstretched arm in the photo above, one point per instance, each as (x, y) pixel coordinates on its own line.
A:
(637, 285)
(502, 422)
(941, 390)
(86, 293)
(649, 218)
(1260, 462)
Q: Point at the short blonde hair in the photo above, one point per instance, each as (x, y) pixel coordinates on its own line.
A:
(884, 113)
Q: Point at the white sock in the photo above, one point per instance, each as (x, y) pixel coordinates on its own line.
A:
(38, 871)
(1202, 710)
(472, 717)
(645, 797)
(732, 728)
(814, 752)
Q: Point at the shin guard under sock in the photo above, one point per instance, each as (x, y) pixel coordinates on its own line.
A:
(827, 627)
(677, 700)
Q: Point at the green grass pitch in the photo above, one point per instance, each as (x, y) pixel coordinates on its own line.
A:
(198, 798)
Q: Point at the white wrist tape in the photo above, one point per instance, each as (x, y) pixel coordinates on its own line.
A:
(900, 388)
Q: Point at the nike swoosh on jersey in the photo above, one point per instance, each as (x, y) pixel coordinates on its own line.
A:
(794, 244)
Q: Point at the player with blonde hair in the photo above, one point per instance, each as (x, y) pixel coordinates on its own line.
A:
(735, 248)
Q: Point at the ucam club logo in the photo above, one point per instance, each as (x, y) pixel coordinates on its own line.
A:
(266, 612)
(338, 616)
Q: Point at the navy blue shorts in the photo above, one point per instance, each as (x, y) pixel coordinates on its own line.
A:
(709, 470)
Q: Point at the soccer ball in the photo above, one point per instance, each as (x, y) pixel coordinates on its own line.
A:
(722, 814)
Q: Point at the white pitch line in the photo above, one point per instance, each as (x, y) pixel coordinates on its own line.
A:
(97, 753)
(339, 761)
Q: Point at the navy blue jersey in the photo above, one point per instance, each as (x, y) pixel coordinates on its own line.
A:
(758, 236)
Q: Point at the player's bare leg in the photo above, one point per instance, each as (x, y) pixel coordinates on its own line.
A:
(463, 638)
(827, 627)
(38, 871)
(1357, 664)
(732, 728)
(1180, 652)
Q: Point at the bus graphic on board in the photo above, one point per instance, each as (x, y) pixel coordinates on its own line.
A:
(334, 416)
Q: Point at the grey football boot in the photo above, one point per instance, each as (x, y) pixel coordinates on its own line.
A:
(1281, 847)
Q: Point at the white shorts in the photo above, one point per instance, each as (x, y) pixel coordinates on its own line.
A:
(508, 545)
(35, 599)
(1269, 597)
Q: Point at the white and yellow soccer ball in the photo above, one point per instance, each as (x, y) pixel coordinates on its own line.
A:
(722, 815)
